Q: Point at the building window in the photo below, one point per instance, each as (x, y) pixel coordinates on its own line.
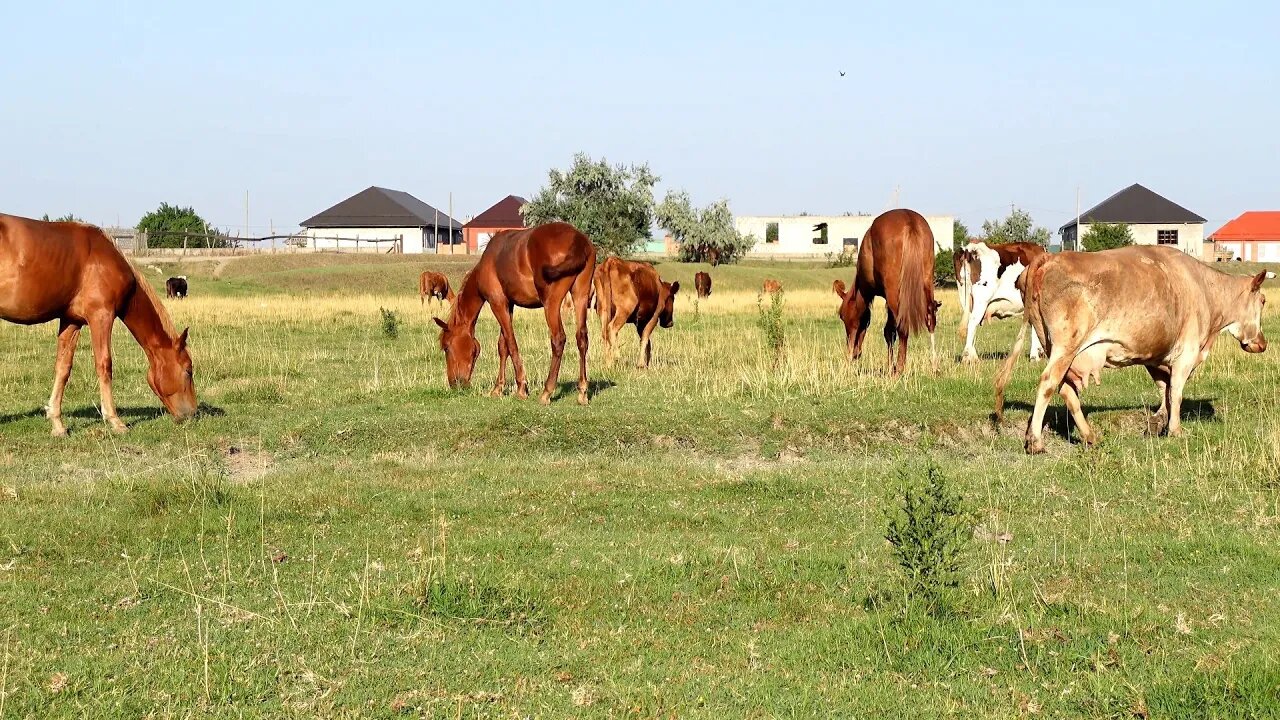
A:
(771, 233)
(851, 243)
(820, 234)
(1167, 237)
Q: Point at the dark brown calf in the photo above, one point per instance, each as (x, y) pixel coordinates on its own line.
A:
(702, 284)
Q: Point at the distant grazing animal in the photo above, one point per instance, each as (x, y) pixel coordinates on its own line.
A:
(531, 268)
(176, 287)
(772, 286)
(895, 262)
(1140, 305)
(702, 284)
(73, 273)
(985, 278)
(435, 285)
(632, 292)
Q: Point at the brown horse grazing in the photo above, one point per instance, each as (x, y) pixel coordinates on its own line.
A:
(702, 284)
(74, 274)
(436, 285)
(531, 268)
(895, 261)
(772, 286)
(632, 292)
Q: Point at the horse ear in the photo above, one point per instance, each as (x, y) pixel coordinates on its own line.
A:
(675, 287)
(1258, 280)
(443, 325)
(838, 287)
(182, 339)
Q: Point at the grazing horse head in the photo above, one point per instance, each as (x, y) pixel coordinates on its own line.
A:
(170, 377)
(1247, 329)
(667, 304)
(460, 353)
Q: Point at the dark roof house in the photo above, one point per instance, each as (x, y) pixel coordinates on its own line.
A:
(503, 214)
(1136, 205)
(379, 207)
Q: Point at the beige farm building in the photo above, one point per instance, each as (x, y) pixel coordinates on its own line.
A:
(810, 236)
(375, 218)
(1153, 220)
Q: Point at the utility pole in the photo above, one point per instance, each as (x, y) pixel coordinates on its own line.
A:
(435, 230)
(246, 213)
(450, 222)
(1075, 245)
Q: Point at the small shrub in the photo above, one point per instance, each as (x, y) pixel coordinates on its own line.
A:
(845, 258)
(1106, 236)
(769, 319)
(944, 266)
(929, 532)
(390, 323)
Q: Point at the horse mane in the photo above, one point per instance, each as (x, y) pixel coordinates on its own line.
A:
(145, 288)
(462, 288)
(915, 296)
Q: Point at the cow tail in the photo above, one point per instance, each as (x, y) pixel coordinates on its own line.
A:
(1006, 371)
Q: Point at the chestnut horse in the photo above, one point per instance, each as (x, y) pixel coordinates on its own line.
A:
(73, 273)
(895, 262)
(532, 268)
(436, 285)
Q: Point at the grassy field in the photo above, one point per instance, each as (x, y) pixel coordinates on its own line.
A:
(339, 536)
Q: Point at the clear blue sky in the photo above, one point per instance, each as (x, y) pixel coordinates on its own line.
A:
(112, 107)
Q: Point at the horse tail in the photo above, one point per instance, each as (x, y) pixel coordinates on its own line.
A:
(422, 288)
(602, 287)
(915, 289)
(1006, 371)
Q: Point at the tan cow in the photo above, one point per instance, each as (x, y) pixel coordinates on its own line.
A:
(1142, 305)
(632, 292)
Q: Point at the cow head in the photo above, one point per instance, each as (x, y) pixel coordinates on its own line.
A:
(667, 304)
(460, 353)
(1247, 329)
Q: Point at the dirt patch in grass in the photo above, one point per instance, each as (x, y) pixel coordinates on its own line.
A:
(244, 465)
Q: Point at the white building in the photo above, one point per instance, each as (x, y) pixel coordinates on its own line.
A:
(1152, 219)
(814, 236)
(378, 219)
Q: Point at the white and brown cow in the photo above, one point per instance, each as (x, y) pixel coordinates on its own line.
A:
(985, 278)
(1142, 305)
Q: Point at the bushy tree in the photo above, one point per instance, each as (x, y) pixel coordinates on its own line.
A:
(1018, 227)
(69, 217)
(612, 204)
(944, 266)
(1106, 236)
(959, 236)
(706, 235)
(168, 226)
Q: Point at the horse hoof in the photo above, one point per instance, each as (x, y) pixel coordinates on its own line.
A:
(1176, 432)
(1091, 441)
(496, 392)
(119, 428)
(583, 400)
(969, 359)
(1034, 447)
(59, 432)
(544, 399)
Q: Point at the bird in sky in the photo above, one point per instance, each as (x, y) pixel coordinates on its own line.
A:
(841, 73)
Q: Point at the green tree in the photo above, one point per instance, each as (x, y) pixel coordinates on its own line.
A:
(612, 204)
(69, 217)
(168, 226)
(1018, 227)
(706, 235)
(1106, 236)
(959, 235)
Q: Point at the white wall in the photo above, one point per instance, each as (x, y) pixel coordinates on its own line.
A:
(1190, 236)
(796, 233)
(1253, 250)
(414, 238)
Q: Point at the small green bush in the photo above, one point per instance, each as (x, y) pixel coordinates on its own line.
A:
(928, 533)
(845, 258)
(769, 319)
(390, 324)
(944, 266)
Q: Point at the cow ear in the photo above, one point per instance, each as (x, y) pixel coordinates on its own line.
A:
(1258, 280)
(675, 287)
(443, 325)
(182, 339)
(838, 287)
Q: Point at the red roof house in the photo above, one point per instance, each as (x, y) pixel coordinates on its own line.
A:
(1254, 236)
(504, 215)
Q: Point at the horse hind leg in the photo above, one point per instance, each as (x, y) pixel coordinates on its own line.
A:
(68, 336)
(581, 299)
(555, 325)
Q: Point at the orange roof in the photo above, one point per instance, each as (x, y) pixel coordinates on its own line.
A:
(1253, 225)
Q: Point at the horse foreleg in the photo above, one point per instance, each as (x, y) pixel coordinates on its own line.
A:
(100, 334)
(890, 336)
(500, 386)
(581, 300)
(68, 336)
(862, 311)
(555, 326)
(502, 313)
